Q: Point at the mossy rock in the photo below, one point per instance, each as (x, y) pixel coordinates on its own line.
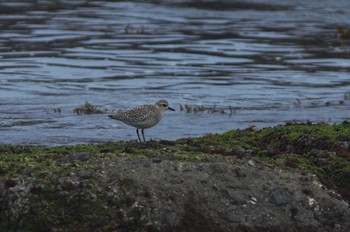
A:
(129, 186)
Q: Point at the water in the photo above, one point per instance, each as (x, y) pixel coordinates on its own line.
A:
(257, 56)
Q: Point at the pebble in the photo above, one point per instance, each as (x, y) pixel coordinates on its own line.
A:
(251, 163)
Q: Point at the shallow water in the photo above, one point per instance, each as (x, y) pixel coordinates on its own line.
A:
(274, 61)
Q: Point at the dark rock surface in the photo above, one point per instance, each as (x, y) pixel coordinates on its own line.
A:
(162, 194)
(218, 196)
(75, 156)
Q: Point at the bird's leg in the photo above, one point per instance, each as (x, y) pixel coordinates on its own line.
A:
(143, 135)
(137, 131)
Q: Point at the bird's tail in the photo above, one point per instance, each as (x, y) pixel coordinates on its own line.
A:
(115, 116)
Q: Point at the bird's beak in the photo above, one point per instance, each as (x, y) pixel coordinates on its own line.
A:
(169, 108)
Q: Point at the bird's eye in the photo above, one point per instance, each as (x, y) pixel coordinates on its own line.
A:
(165, 105)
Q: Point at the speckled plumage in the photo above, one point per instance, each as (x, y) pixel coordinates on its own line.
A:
(144, 116)
(140, 117)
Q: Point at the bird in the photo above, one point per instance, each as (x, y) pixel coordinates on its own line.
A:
(143, 117)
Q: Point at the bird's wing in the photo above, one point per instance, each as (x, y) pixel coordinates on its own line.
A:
(141, 113)
(137, 114)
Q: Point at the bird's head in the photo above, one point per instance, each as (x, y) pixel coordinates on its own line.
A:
(163, 105)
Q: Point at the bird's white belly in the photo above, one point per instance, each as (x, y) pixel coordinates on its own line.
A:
(144, 124)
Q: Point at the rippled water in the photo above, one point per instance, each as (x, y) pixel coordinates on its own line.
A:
(274, 61)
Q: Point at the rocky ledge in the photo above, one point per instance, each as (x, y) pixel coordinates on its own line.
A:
(286, 178)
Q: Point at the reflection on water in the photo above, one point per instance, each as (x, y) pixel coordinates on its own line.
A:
(257, 56)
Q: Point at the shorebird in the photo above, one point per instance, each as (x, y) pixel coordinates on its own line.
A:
(143, 117)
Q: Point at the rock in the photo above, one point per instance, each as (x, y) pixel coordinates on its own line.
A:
(315, 152)
(138, 194)
(29, 171)
(344, 144)
(279, 196)
(251, 163)
(238, 150)
(85, 174)
(75, 156)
